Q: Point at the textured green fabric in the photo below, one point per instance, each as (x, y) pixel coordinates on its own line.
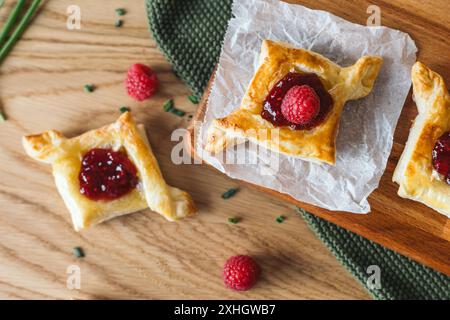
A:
(190, 33)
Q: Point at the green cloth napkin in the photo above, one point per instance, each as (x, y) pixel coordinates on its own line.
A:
(190, 34)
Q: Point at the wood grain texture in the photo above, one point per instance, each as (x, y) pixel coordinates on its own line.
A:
(403, 225)
(140, 255)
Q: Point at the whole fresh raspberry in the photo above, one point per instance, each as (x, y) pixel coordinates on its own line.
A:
(141, 82)
(240, 272)
(300, 105)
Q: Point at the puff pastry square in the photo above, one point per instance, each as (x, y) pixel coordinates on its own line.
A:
(276, 60)
(65, 156)
(414, 171)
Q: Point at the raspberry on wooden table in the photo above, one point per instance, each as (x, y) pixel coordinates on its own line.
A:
(141, 82)
(241, 272)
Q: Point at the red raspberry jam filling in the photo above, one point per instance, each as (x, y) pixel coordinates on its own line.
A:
(106, 174)
(441, 156)
(272, 105)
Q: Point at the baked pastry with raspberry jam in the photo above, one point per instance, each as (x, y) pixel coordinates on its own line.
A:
(423, 171)
(294, 103)
(108, 172)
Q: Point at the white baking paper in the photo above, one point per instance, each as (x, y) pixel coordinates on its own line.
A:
(367, 126)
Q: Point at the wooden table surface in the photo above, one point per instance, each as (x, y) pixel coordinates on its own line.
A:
(139, 255)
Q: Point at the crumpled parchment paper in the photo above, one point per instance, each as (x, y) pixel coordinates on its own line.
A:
(367, 126)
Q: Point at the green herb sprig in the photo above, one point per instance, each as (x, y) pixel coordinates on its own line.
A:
(7, 38)
(9, 23)
(281, 219)
(169, 106)
(20, 29)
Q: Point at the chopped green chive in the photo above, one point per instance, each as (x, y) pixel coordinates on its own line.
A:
(124, 109)
(233, 220)
(9, 24)
(177, 112)
(281, 219)
(228, 194)
(194, 99)
(2, 116)
(121, 11)
(168, 106)
(119, 23)
(89, 88)
(78, 252)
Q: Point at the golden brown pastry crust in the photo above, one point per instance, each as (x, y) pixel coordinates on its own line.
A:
(276, 60)
(65, 157)
(414, 172)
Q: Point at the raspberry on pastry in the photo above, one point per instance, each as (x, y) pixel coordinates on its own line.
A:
(300, 105)
(282, 101)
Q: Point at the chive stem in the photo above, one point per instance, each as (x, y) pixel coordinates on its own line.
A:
(228, 194)
(121, 11)
(78, 252)
(15, 36)
(193, 99)
(233, 220)
(169, 106)
(124, 109)
(89, 88)
(9, 23)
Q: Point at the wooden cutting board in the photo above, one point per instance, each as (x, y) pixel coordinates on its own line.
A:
(405, 226)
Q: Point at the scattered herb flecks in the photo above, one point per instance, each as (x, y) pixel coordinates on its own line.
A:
(89, 88)
(119, 23)
(169, 106)
(233, 220)
(228, 194)
(124, 109)
(281, 219)
(194, 99)
(78, 252)
(121, 11)
(2, 116)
